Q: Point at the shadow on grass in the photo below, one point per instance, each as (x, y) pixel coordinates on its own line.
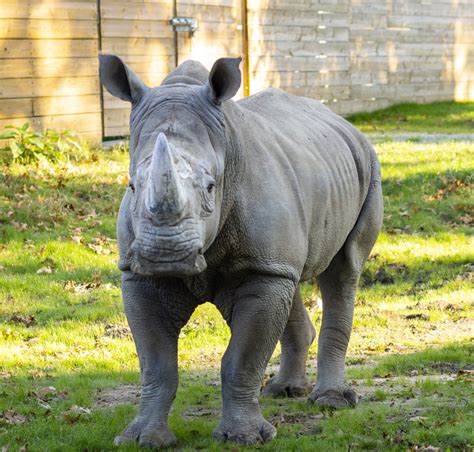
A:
(429, 202)
(419, 274)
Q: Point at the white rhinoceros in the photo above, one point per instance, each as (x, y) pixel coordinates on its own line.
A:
(237, 203)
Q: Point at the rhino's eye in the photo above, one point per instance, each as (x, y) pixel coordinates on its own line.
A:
(131, 186)
(210, 187)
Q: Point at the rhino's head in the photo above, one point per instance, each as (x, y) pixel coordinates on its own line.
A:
(178, 150)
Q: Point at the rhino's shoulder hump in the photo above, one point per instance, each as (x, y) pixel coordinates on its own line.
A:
(188, 69)
(268, 95)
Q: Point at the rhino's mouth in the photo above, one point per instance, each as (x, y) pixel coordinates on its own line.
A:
(173, 251)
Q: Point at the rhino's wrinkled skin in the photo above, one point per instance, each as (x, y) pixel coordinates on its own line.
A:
(236, 203)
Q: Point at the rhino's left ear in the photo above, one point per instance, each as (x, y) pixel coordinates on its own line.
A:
(119, 79)
(224, 79)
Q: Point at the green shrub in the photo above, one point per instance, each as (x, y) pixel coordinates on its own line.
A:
(27, 146)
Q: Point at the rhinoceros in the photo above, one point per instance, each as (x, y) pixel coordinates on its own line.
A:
(237, 203)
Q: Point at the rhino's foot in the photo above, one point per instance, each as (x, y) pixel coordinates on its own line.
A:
(244, 431)
(147, 433)
(294, 387)
(334, 398)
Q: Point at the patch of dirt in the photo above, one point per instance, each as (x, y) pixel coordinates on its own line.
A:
(441, 305)
(127, 394)
(194, 412)
(391, 391)
(395, 385)
(307, 421)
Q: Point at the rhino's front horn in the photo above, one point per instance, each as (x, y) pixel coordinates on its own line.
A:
(165, 193)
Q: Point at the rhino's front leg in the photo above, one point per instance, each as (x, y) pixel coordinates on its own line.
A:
(156, 311)
(257, 313)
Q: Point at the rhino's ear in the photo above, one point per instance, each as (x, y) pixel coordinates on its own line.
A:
(119, 79)
(224, 79)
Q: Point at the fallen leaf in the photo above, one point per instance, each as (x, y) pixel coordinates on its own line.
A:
(80, 288)
(419, 419)
(99, 249)
(37, 374)
(427, 448)
(44, 405)
(467, 373)
(46, 269)
(73, 414)
(46, 392)
(466, 219)
(12, 417)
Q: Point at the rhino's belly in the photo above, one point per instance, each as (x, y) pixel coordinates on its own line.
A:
(327, 235)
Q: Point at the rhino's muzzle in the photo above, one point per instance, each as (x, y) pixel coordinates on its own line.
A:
(167, 257)
(192, 267)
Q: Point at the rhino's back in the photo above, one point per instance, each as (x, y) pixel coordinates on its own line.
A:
(312, 168)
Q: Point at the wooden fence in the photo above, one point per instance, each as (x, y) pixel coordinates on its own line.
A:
(353, 54)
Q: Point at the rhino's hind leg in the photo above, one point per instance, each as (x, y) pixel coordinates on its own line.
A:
(156, 310)
(338, 285)
(299, 334)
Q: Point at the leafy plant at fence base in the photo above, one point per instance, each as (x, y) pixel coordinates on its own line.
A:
(29, 146)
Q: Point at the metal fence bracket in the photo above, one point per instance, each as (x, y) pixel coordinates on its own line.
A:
(180, 24)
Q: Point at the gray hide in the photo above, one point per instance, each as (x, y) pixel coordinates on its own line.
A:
(236, 203)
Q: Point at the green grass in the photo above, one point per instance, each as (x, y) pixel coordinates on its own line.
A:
(436, 117)
(64, 327)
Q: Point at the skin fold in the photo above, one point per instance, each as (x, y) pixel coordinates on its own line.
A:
(237, 203)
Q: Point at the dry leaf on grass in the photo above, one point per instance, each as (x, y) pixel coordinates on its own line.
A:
(419, 419)
(46, 392)
(80, 288)
(11, 417)
(466, 373)
(46, 269)
(77, 238)
(99, 249)
(73, 414)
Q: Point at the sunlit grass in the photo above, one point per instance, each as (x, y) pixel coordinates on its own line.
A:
(436, 117)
